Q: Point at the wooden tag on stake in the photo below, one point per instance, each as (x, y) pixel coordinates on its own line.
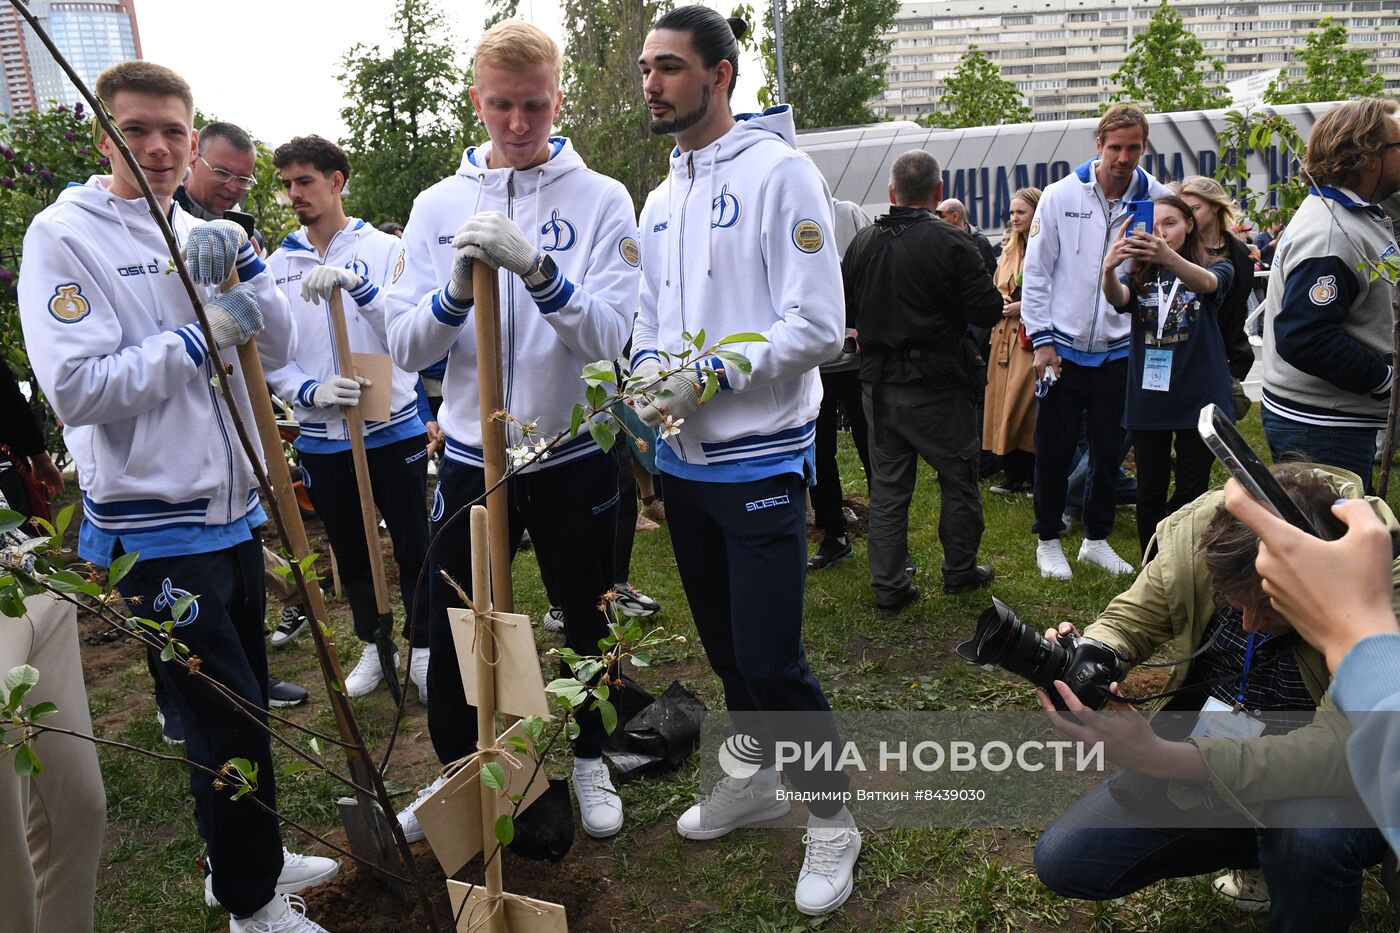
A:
(451, 816)
(519, 683)
(523, 914)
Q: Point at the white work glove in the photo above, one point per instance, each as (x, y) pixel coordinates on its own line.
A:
(497, 240)
(340, 392)
(235, 316)
(211, 251)
(676, 396)
(321, 282)
(459, 289)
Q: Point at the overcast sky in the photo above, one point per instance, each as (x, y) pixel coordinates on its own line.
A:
(277, 77)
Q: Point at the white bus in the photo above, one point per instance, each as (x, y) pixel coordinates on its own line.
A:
(983, 166)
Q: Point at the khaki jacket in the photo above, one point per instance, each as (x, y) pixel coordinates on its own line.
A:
(1169, 606)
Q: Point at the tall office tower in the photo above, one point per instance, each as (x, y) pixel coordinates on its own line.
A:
(91, 34)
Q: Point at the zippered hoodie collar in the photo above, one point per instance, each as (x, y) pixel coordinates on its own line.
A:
(298, 243)
(562, 160)
(775, 123)
(1141, 180)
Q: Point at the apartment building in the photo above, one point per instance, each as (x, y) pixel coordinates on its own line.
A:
(1062, 54)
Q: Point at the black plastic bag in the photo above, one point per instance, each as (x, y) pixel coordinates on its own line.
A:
(656, 734)
(545, 830)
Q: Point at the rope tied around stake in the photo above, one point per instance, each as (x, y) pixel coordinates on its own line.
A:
(494, 903)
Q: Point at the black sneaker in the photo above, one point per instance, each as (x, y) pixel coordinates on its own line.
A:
(632, 603)
(285, 693)
(833, 548)
(901, 601)
(292, 623)
(981, 576)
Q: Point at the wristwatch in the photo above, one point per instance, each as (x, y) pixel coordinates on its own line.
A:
(542, 271)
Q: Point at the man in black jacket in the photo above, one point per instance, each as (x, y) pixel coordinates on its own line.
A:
(913, 285)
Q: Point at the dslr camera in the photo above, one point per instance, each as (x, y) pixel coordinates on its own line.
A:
(1088, 666)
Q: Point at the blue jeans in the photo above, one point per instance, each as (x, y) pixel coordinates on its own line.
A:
(1349, 448)
(1098, 850)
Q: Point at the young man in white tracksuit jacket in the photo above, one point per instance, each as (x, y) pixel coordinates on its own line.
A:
(564, 240)
(119, 354)
(1079, 338)
(737, 240)
(330, 252)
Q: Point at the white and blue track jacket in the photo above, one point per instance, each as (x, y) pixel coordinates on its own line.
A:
(116, 348)
(738, 239)
(1062, 302)
(585, 222)
(372, 254)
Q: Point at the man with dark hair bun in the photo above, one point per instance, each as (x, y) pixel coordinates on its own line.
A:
(736, 241)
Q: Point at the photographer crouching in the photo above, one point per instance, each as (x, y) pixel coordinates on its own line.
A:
(1252, 797)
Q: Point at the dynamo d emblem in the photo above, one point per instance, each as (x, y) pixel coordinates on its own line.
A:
(167, 598)
(563, 232)
(724, 209)
(740, 756)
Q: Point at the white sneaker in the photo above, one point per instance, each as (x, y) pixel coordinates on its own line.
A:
(553, 620)
(408, 816)
(599, 806)
(299, 872)
(734, 802)
(1101, 554)
(1245, 888)
(285, 913)
(828, 867)
(367, 675)
(1050, 558)
(418, 672)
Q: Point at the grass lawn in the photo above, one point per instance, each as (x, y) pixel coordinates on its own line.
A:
(647, 877)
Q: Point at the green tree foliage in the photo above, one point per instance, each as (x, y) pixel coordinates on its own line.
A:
(408, 116)
(1166, 68)
(834, 55)
(41, 151)
(977, 95)
(1331, 70)
(603, 112)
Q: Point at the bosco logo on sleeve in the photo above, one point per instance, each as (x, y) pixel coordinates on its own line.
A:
(1324, 290)
(807, 236)
(68, 304)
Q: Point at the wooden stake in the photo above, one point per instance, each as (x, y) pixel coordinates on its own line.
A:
(486, 655)
(355, 421)
(486, 310)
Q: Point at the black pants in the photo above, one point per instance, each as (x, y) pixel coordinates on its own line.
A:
(571, 513)
(1019, 466)
(909, 422)
(1154, 472)
(840, 392)
(1094, 393)
(741, 549)
(224, 628)
(398, 477)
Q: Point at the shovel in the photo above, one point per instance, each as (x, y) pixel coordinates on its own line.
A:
(366, 825)
(354, 418)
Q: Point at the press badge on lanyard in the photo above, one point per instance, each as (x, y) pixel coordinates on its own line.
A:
(1157, 361)
(1221, 721)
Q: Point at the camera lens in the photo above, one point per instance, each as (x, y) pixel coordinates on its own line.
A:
(1004, 640)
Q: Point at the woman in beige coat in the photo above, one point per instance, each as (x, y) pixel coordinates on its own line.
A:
(1008, 426)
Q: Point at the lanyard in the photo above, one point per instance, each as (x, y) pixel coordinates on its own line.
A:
(1164, 308)
(1249, 646)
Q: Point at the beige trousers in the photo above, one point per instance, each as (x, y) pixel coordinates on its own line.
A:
(51, 823)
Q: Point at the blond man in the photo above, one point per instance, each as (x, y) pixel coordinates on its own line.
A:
(565, 241)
